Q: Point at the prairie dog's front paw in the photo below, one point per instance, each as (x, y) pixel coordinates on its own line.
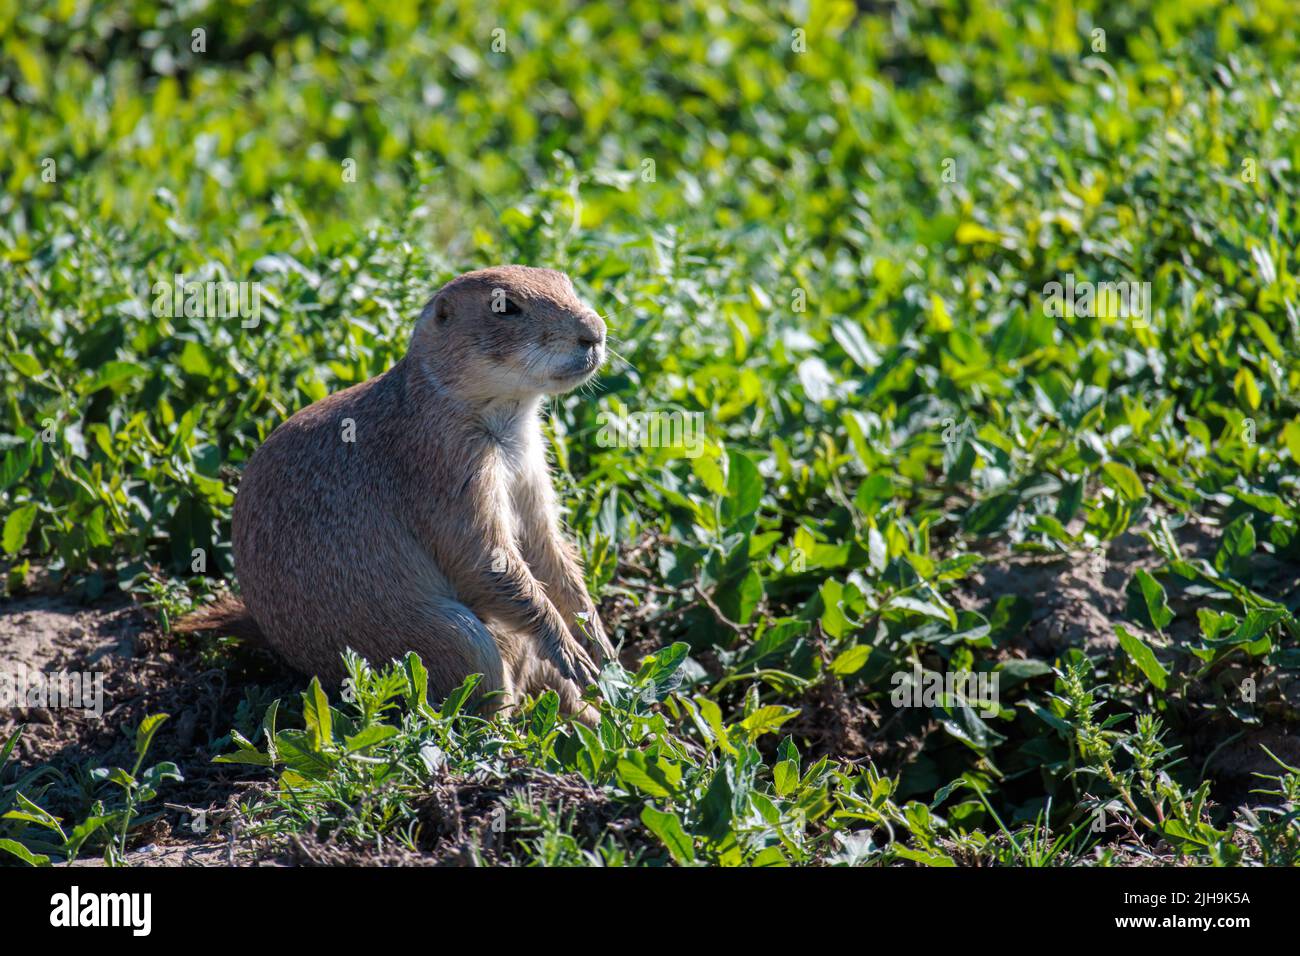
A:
(578, 665)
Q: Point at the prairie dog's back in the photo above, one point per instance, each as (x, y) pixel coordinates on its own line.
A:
(317, 522)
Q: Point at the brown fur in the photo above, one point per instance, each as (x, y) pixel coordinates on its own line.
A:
(226, 614)
(435, 530)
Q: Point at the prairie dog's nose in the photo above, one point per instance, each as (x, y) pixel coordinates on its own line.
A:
(591, 330)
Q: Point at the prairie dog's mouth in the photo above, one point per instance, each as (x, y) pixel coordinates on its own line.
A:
(582, 366)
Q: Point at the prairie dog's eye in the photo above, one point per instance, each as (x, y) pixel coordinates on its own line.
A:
(502, 305)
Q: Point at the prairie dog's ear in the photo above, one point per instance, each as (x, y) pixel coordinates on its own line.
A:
(434, 315)
(428, 311)
(441, 309)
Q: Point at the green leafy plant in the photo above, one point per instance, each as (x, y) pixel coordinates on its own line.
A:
(116, 817)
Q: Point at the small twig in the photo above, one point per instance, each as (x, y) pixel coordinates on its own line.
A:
(717, 612)
(230, 846)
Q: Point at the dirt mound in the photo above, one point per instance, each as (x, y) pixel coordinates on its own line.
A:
(39, 633)
(1074, 600)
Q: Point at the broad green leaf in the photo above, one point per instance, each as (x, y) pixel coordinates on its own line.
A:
(145, 732)
(1237, 545)
(26, 363)
(18, 524)
(668, 828)
(785, 777)
(1124, 480)
(850, 661)
(991, 514)
(1142, 655)
(417, 683)
(766, 720)
(636, 775)
(1157, 604)
(114, 373)
(24, 854)
(14, 466)
(369, 736)
(1291, 439)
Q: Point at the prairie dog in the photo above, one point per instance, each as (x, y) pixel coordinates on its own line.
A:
(415, 511)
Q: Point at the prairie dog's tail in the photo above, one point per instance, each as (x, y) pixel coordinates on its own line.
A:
(226, 614)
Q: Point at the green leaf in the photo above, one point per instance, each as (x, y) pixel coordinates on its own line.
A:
(744, 489)
(113, 373)
(193, 360)
(369, 736)
(17, 526)
(636, 775)
(711, 714)
(1047, 717)
(15, 465)
(970, 233)
(785, 777)
(24, 854)
(8, 749)
(268, 731)
(417, 683)
(991, 514)
(1237, 545)
(34, 814)
(662, 669)
(544, 713)
(26, 363)
(1156, 603)
(144, 733)
(120, 777)
(249, 756)
(1291, 438)
(707, 469)
(854, 341)
(316, 715)
(457, 698)
(1254, 625)
(300, 752)
(851, 661)
(668, 828)
(1246, 388)
(1017, 671)
(716, 809)
(1143, 657)
(1265, 336)
(1124, 480)
(766, 720)
(85, 829)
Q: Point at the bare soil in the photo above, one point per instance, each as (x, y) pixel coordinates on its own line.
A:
(143, 673)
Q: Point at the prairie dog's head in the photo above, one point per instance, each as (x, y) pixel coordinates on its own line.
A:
(510, 332)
